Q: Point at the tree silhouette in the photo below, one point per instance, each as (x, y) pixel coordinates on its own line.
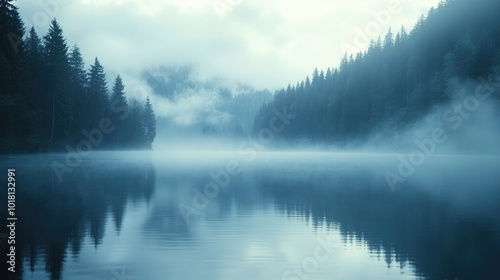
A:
(149, 123)
(48, 99)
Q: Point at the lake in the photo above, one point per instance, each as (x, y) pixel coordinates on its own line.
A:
(269, 215)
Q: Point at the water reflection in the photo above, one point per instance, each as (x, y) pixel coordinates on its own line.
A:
(441, 224)
(55, 216)
(442, 239)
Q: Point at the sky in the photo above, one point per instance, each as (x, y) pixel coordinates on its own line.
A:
(260, 43)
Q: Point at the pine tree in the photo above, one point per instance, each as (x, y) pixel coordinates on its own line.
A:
(37, 101)
(78, 83)
(13, 108)
(461, 61)
(57, 85)
(135, 130)
(388, 40)
(119, 101)
(118, 91)
(149, 123)
(11, 33)
(97, 93)
(77, 67)
(33, 49)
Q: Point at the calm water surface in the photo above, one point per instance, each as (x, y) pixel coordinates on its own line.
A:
(279, 215)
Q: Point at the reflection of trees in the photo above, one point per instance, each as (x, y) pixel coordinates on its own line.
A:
(407, 226)
(175, 187)
(437, 236)
(56, 216)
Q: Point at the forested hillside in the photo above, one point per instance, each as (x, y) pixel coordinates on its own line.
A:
(397, 80)
(49, 101)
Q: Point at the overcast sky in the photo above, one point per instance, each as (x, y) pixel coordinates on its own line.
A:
(262, 43)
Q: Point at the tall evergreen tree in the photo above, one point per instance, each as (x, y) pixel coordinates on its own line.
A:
(135, 131)
(97, 93)
(461, 60)
(57, 85)
(11, 33)
(33, 49)
(149, 120)
(13, 107)
(34, 79)
(77, 67)
(118, 92)
(78, 83)
(119, 102)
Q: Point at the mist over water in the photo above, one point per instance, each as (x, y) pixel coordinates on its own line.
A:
(466, 124)
(385, 165)
(230, 206)
(266, 211)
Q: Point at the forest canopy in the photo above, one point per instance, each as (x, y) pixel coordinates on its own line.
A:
(397, 80)
(49, 101)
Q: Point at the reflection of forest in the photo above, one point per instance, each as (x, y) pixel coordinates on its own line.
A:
(441, 239)
(54, 216)
(408, 226)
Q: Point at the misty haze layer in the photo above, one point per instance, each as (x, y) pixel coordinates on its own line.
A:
(258, 209)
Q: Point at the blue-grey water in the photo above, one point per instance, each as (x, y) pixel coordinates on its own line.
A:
(269, 215)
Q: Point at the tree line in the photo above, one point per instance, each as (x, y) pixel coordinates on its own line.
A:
(48, 100)
(397, 80)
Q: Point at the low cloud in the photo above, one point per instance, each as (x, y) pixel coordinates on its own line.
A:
(260, 43)
(466, 124)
